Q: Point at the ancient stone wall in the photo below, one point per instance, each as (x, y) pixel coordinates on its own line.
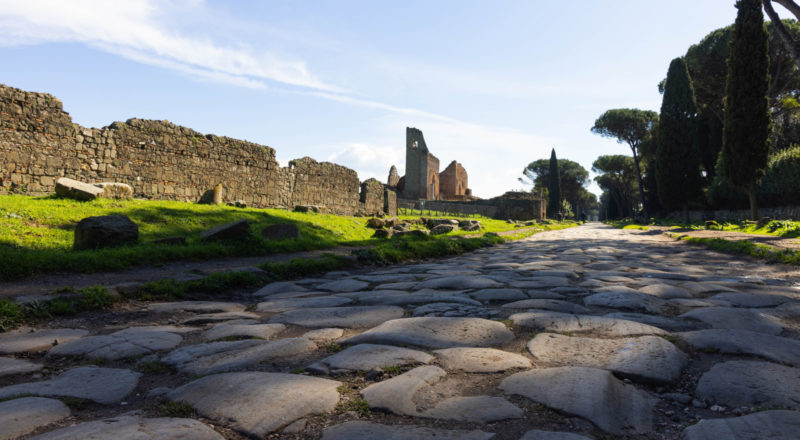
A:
(453, 182)
(519, 206)
(390, 202)
(372, 197)
(422, 168)
(39, 143)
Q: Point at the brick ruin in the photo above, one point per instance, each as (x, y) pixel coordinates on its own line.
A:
(39, 143)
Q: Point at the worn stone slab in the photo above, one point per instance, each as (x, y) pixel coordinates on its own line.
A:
(545, 294)
(751, 383)
(21, 416)
(484, 409)
(190, 353)
(102, 385)
(347, 317)
(279, 287)
(633, 301)
(10, 366)
(665, 291)
(262, 331)
(653, 320)
(448, 309)
(459, 283)
(257, 403)
(752, 299)
(436, 332)
(324, 334)
(32, 341)
(779, 425)
(74, 189)
(547, 304)
(134, 341)
(346, 285)
(245, 357)
(480, 360)
(196, 307)
(567, 323)
(368, 356)
(403, 298)
(209, 318)
(740, 319)
(282, 305)
(730, 341)
(591, 393)
(498, 295)
(131, 427)
(358, 430)
(396, 394)
(646, 358)
(537, 434)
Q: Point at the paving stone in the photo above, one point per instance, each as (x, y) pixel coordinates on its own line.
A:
(282, 305)
(257, 403)
(645, 358)
(226, 330)
(10, 366)
(778, 425)
(26, 414)
(130, 427)
(324, 334)
(594, 394)
(480, 360)
(654, 320)
(774, 348)
(567, 323)
(665, 291)
(484, 409)
(196, 307)
(223, 358)
(32, 341)
(453, 310)
(751, 383)
(545, 294)
(683, 304)
(387, 278)
(210, 318)
(436, 332)
(347, 317)
(133, 341)
(358, 430)
(740, 319)
(402, 298)
(403, 285)
(752, 299)
(396, 394)
(547, 304)
(280, 287)
(634, 301)
(368, 356)
(537, 434)
(498, 295)
(697, 288)
(348, 285)
(459, 283)
(103, 385)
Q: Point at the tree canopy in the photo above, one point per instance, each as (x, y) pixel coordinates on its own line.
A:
(617, 178)
(573, 178)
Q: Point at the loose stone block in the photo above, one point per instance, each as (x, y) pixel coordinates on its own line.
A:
(74, 189)
(104, 231)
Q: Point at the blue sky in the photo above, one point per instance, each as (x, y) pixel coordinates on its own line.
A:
(494, 85)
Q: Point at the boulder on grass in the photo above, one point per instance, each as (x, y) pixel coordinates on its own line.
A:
(104, 231)
(469, 225)
(443, 229)
(74, 189)
(433, 222)
(115, 190)
(375, 223)
(412, 233)
(238, 230)
(283, 231)
(383, 233)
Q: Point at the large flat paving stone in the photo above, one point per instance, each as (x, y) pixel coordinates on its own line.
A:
(751, 383)
(752, 299)
(645, 358)
(591, 393)
(568, 323)
(459, 283)
(134, 341)
(740, 319)
(257, 403)
(210, 318)
(135, 428)
(634, 301)
(28, 341)
(10, 366)
(436, 332)
(279, 288)
(538, 434)
(196, 307)
(654, 320)
(282, 305)
(222, 357)
(547, 304)
(403, 298)
(347, 285)
(358, 430)
(228, 330)
(21, 416)
(771, 425)
(396, 394)
(484, 409)
(480, 360)
(665, 291)
(368, 356)
(774, 348)
(102, 385)
(498, 295)
(346, 317)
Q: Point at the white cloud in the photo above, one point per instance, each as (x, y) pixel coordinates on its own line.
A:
(370, 160)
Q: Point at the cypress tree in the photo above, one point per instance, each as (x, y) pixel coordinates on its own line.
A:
(677, 159)
(746, 128)
(554, 187)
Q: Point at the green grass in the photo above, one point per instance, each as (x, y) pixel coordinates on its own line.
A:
(13, 314)
(785, 256)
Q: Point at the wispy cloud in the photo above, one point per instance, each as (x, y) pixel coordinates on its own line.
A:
(134, 30)
(369, 160)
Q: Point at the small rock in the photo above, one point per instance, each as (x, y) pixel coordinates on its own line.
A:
(114, 190)
(104, 231)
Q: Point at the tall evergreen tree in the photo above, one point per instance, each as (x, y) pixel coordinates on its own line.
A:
(677, 159)
(554, 187)
(745, 134)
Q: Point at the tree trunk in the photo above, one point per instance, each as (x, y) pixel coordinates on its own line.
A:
(641, 185)
(751, 193)
(792, 46)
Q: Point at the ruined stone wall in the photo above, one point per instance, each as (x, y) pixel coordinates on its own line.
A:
(453, 182)
(371, 197)
(39, 143)
(519, 206)
(390, 202)
(420, 163)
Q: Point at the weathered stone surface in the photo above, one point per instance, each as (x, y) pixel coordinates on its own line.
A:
(280, 287)
(347, 317)
(238, 230)
(458, 283)
(537, 434)
(133, 341)
(665, 291)
(74, 189)
(26, 340)
(10, 366)
(104, 231)
(196, 307)
(498, 295)
(346, 285)
(368, 356)
(751, 383)
(480, 360)
(566, 323)
(484, 409)
(752, 299)
(284, 231)
(21, 416)
(258, 403)
(778, 425)
(587, 392)
(263, 331)
(443, 229)
(740, 319)
(135, 428)
(401, 298)
(208, 318)
(547, 304)
(396, 394)
(436, 333)
(746, 342)
(103, 385)
(225, 358)
(357, 430)
(282, 305)
(625, 300)
(383, 233)
(653, 320)
(647, 358)
(114, 190)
